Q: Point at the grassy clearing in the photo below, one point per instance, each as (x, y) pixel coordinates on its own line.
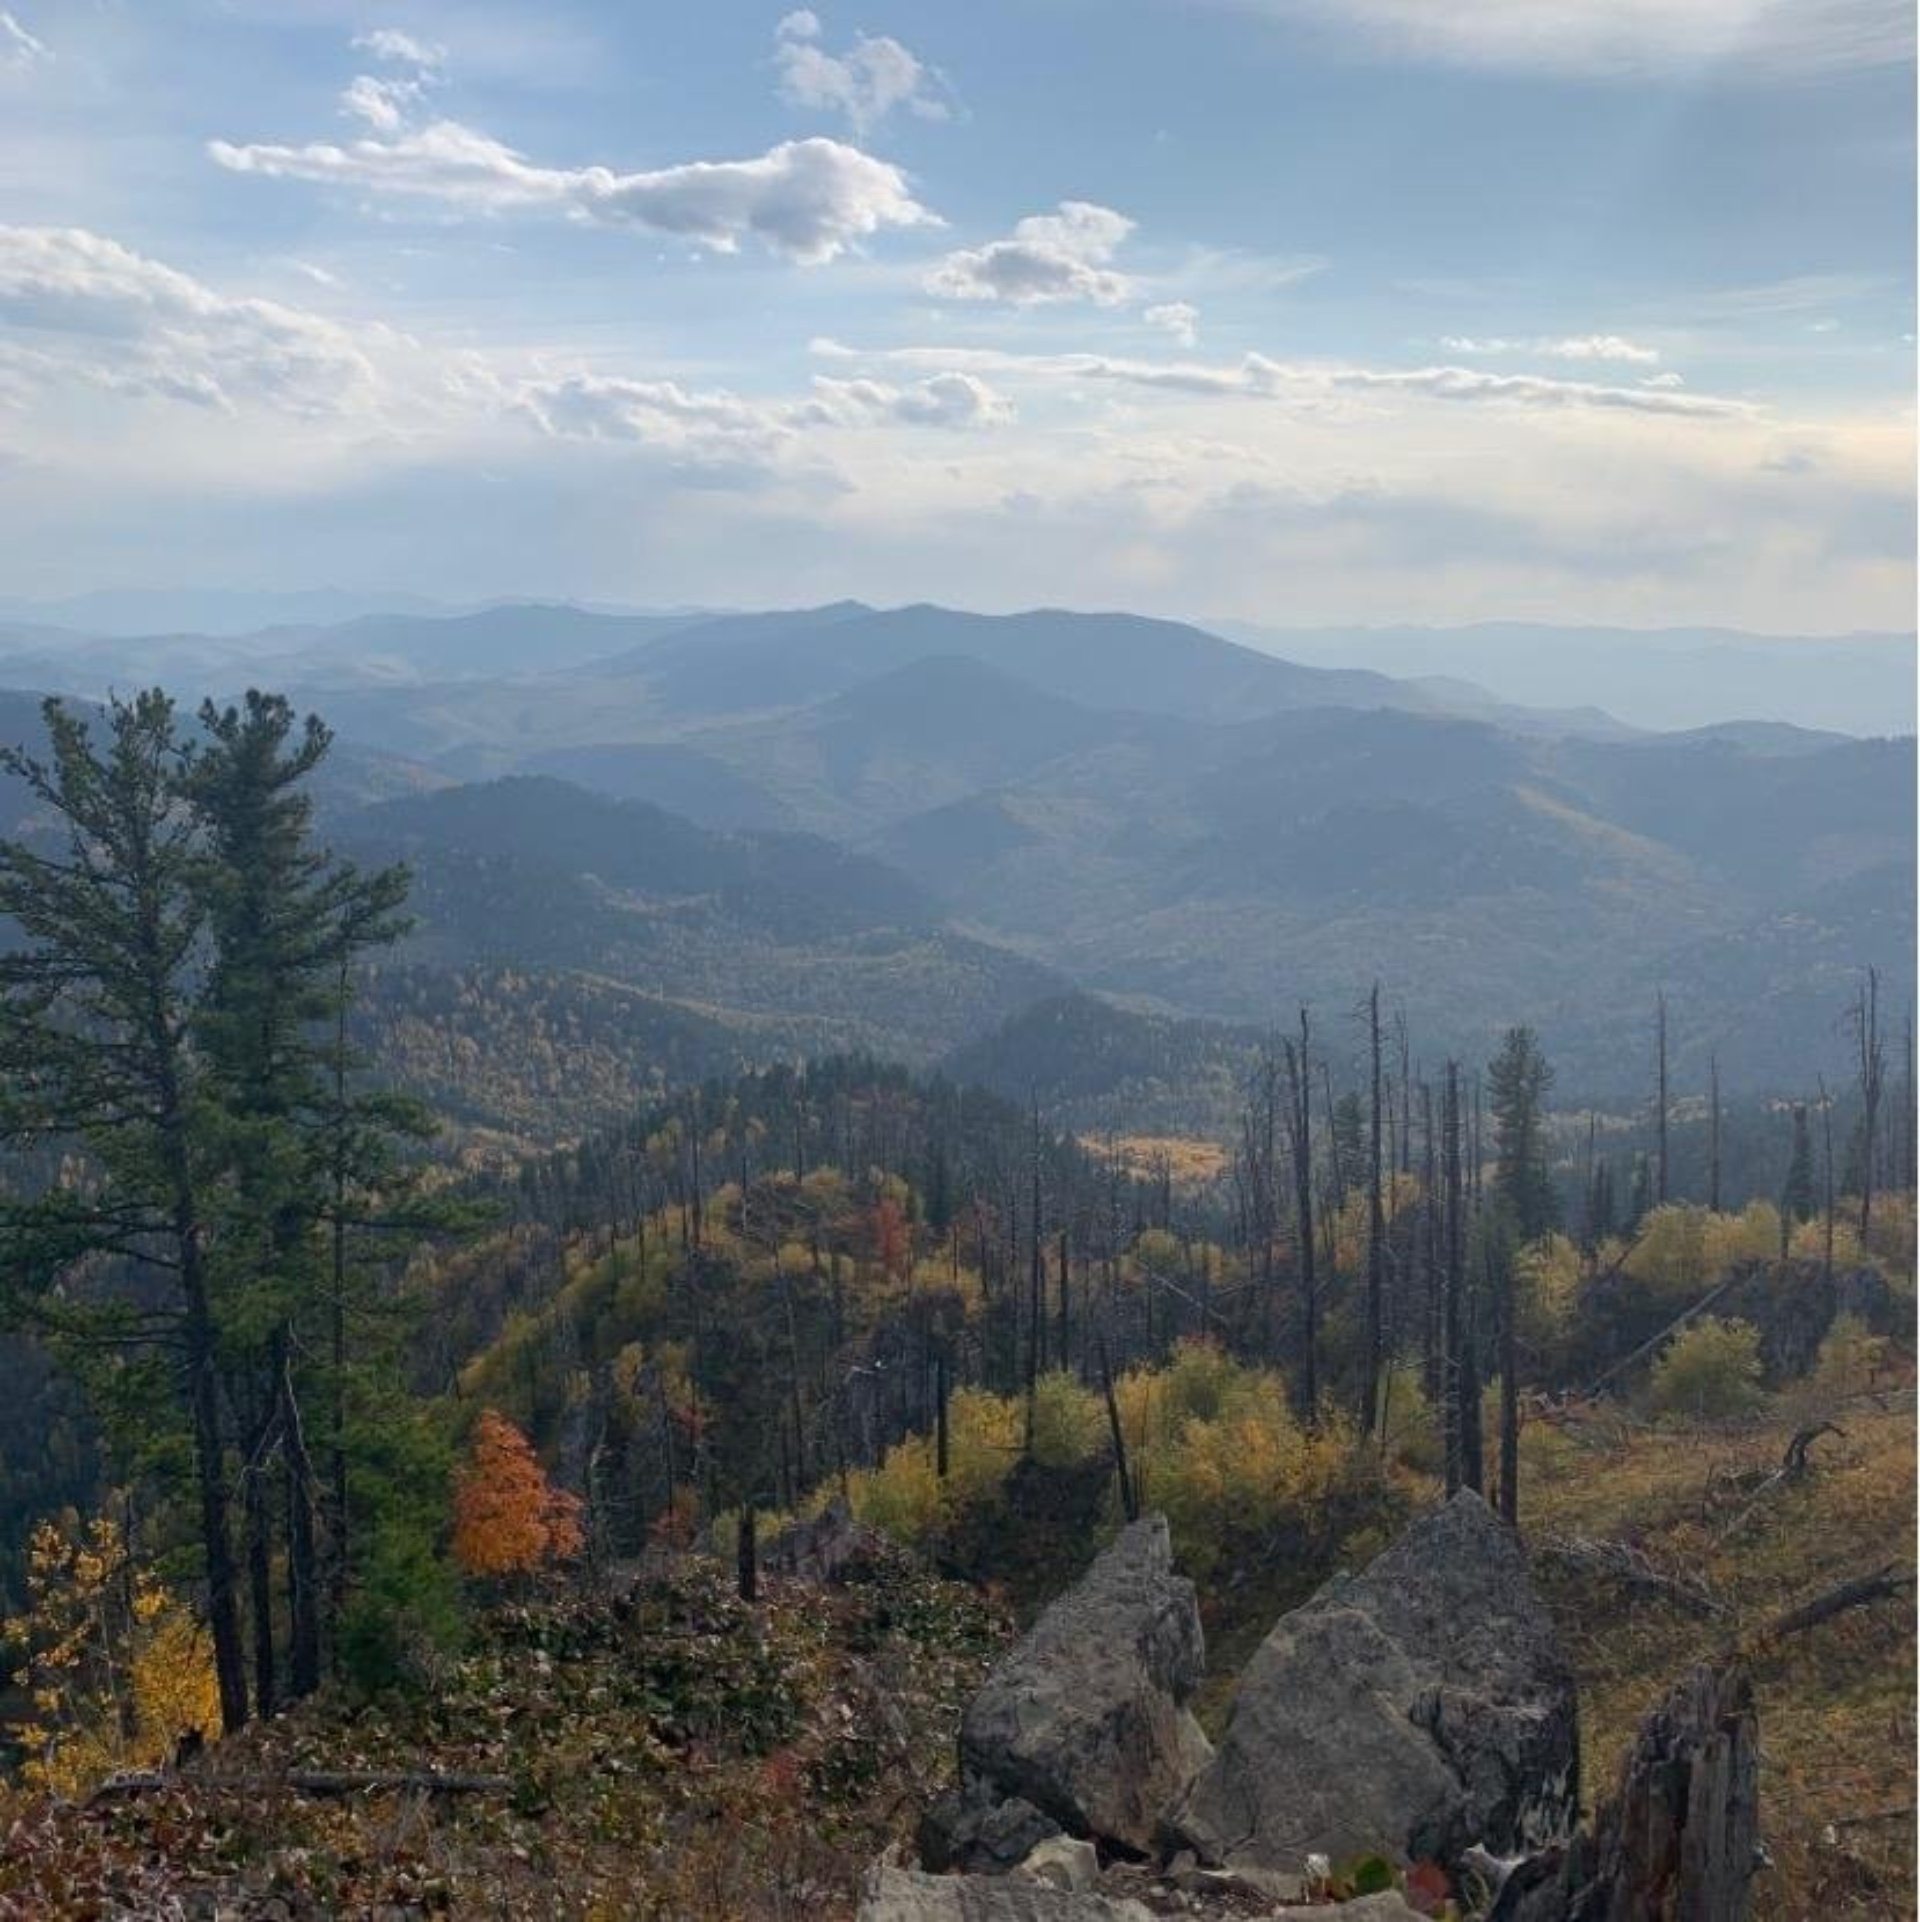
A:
(1836, 1703)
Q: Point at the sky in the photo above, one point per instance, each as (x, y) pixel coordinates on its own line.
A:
(1293, 311)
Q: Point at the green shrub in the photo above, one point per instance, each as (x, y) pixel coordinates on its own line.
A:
(1708, 1372)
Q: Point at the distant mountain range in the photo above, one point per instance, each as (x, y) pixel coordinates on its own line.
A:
(1588, 677)
(904, 829)
(1660, 678)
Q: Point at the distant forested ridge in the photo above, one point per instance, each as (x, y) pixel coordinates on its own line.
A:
(898, 828)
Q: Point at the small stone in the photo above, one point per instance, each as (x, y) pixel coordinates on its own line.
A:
(1062, 1862)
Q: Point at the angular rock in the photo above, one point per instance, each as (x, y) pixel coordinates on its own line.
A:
(1062, 1862)
(1085, 1718)
(967, 1830)
(905, 1895)
(1414, 1709)
(826, 1548)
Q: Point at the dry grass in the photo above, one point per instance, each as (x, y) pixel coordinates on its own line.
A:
(1190, 1160)
(1836, 1703)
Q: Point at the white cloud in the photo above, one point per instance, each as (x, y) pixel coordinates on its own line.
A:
(19, 49)
(1624, 38)
(1563, 347)
(805, 200)
(873, 78)
(718, 428)
(382, 104)
(944, 400)
(1667, 380)
(713, 428)
(402, 49)
(85, 309)
(1048, 258)
(1180, 318)
(1256, 377)
(1534, 391)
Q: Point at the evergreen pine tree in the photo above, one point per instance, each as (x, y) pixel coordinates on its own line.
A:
(1519, 1079)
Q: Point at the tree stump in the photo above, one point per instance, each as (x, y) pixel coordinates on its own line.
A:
(1680, 1842)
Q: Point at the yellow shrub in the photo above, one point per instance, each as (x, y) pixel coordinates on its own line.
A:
(1671, 1254)
(1851, 1357)
(1548, 1274)
(1751, 1235)
(116, 1668)
(1810, 1241)
(1890, 1236)
(1069, 1422)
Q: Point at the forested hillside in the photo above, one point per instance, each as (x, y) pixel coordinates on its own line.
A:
(544, 1313)
(900, 828)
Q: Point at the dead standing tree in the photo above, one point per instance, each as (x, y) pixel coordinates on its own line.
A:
(1300, 1149)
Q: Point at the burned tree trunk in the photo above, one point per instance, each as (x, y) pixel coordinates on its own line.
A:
(1451, 1325)
(1376, 1232)
(1661, 1191)
(1681, 1838)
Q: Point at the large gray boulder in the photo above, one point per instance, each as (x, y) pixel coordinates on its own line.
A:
(1415, 1709)
(906, 1895)
(1085, 1717)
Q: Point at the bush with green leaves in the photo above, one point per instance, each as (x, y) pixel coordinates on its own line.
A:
(1708, 1372)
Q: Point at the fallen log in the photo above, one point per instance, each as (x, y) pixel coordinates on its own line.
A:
(1863, 1590)
(1900, 1812)
(1795, 1464)
(1665, 1335)
(1632, 1569)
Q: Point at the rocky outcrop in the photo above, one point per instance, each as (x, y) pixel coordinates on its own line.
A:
(826, 1548)
(1085, 1718)
(1420, 1707)
(1795, 1304)
(905, 1895)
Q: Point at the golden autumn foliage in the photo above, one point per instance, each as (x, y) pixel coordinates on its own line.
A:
(1211, 1439)
(116, 1669)
(508, 1518)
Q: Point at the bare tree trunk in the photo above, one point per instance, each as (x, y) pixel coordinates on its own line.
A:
(941, 1459)
(303, 1575)
(1433, 1378)
(1300, 1131)
(1826, 1129)
(748, 1558)
(1063, 1342)
(1872, 1057)
(258, 1521)
(1509, 1391)
(1376, 1232)
(1129, 1490)
(1713, 1132)
(1450, 1327)
(1661, 1170)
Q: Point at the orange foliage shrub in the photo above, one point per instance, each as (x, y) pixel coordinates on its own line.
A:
(508, 1519)
(892, 1242)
